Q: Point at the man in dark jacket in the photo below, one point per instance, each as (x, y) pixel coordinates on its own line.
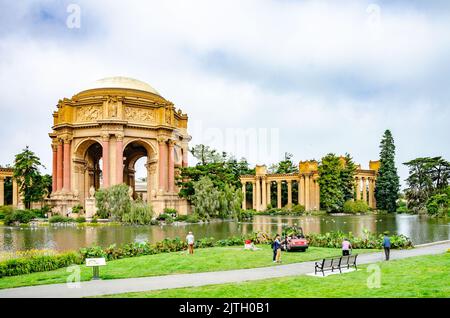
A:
(386, 245)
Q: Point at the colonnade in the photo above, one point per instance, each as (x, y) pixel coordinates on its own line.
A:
(365, 189)
(307, 185)
(61, 169)
(8, 173)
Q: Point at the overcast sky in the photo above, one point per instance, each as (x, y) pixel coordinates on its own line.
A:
(318, 77)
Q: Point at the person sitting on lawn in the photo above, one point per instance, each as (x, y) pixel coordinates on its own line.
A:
(248, 245)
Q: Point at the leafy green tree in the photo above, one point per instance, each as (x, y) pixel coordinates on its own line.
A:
(284, 166)
(331, 190)
(204, 154)
(427, 176)
(348, 178)
(388, 181)
(113, 202)
(206, 199)
(221, 169)
(230, 202)
(31, 184)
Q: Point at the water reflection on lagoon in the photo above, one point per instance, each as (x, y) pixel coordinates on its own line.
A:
(420, 229)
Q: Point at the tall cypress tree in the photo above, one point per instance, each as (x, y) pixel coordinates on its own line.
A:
(388, 183)
(348, 178)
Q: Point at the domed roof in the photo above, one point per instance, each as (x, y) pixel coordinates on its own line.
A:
(122, 82)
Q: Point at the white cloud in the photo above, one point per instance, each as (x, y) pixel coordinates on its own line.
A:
(344, 78)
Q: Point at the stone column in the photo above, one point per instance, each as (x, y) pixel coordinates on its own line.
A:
(317, 195)
(264, 194)
(162, 164)
(151, 169)
(67, 170)
(244, 202)
(364, 194)
(119, 160)
(185, 158)
(171, 170)
(301, 190)
(254, 194)
(15, 194)
(105, 159)
(370, 192)
(289, 189)
(307, 203)
(2, 190)
(279, 194)
(258, 194)
(59, 166)
(54, 167)
(358, 189)
(312, 193)
(269, 193)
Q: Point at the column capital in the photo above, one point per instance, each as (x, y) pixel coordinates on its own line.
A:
(104, 136)
(162, 140)
(119, 136)
(171, 142)
(66, 139)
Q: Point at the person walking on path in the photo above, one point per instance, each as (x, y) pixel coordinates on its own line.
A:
(277, 249)
(346, 247)
(190, 241)
(386, 245)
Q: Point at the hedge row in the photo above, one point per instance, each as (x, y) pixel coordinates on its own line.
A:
(39, 263)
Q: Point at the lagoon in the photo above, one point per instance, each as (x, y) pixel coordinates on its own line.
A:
(421, 229)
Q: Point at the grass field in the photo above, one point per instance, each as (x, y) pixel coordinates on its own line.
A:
(422, 276)
(204, 260)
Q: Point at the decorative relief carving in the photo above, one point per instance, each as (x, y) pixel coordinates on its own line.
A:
(168, 116)
(89, 113)
(113, 103)
(139, 114)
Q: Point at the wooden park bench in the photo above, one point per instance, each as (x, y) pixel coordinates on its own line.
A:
(335, 263)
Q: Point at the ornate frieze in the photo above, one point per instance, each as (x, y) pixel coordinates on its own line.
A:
(143, 115)
(89, 113)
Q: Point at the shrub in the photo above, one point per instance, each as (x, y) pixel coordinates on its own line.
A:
(298, 209)
(193, 218)
(368, 240)
(357, 206)
(92, 252)
(77, 208)
(18, 216)
(204, 242)
(438, 205)
(181, 218)
(60, 219)
(171, 211)
(165, 217)
(94, 220)
(38, 263)
(140, 213)
(244, 215)
(4, 210)
(80, 219)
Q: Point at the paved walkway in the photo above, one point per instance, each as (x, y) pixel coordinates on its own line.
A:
(115, 286)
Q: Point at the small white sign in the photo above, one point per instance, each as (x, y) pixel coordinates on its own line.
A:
(95, 261)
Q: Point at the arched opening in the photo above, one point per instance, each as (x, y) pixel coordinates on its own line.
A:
(140, 170)
(88, 168)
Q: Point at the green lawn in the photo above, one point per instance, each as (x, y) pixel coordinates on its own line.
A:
(422, 276)
(204, 260)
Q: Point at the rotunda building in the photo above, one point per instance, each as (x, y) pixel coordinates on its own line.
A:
(101, 132)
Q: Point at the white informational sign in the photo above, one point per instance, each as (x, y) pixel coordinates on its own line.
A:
(95, 261)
